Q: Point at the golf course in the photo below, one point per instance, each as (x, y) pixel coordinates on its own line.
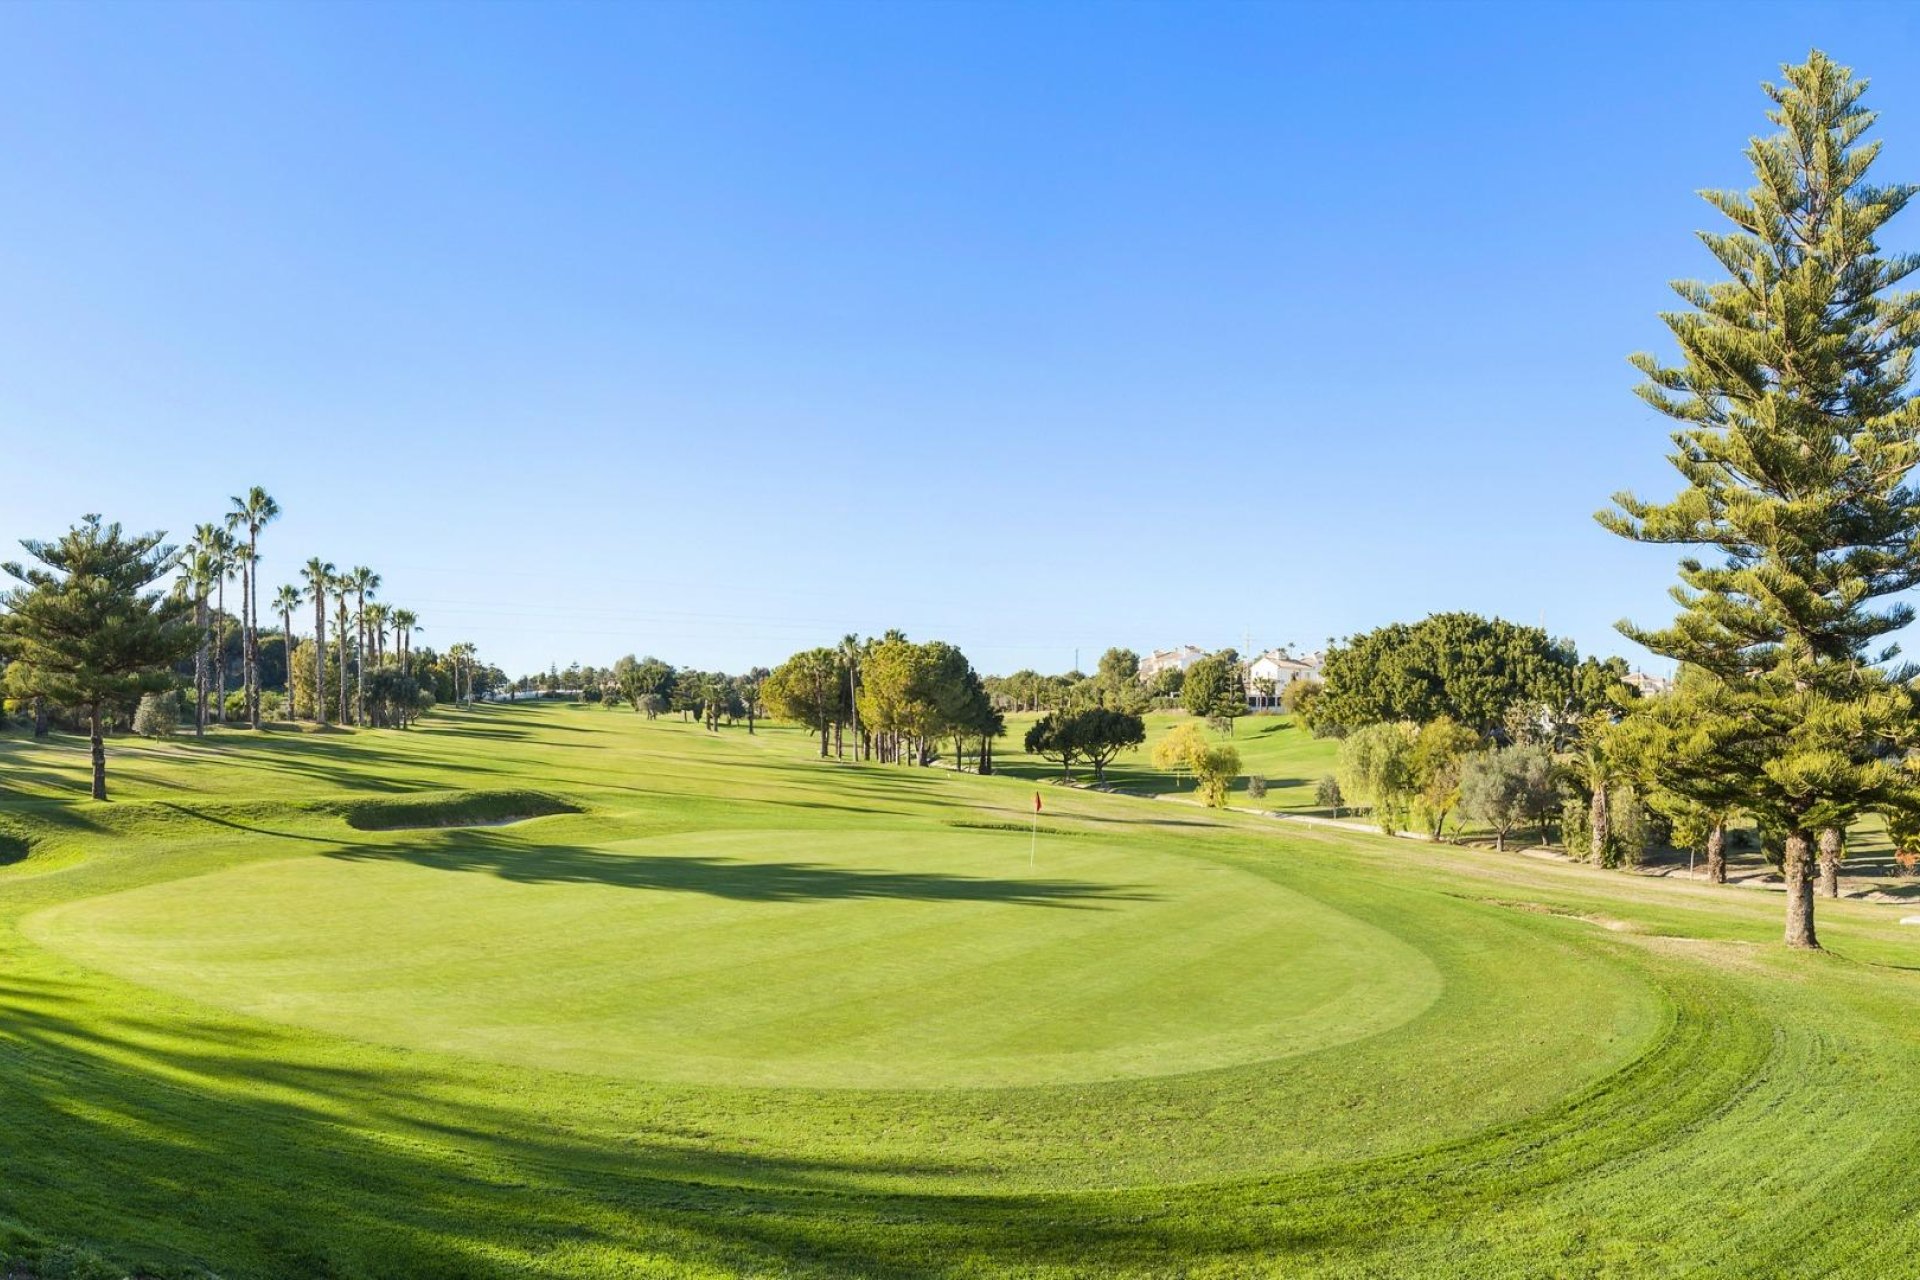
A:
(550, 990)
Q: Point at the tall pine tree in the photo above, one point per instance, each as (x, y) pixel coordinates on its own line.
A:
(84, 631)
(1797, 441)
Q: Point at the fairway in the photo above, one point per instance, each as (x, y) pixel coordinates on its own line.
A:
(734, 1010)
(877, 959)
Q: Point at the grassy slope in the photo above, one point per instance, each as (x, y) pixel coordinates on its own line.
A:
(340, 1053)
(1290, 758)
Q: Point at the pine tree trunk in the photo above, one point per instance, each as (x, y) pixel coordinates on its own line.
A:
(1798, 868)
(1830, 846)
(1717, 854)
(823, 741)
(99, 746)
(39, 717)
(1600, 826)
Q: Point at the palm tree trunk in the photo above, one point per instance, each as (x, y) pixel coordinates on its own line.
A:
(360, 663)
(287, 618)
(1600, 827)
(200, 665)
(340, 646)
(1717, 854)
(220, 654)
(319, 656)
(253, 627)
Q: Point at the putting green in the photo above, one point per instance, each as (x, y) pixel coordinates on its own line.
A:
(871, 959)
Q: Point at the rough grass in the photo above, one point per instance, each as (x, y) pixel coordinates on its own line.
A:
(238, 1033)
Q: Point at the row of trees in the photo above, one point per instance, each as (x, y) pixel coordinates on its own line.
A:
(93, 626)
(893, 699)
(1481, 673)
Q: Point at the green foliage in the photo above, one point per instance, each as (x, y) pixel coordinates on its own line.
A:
(1503, 789)
(1377, 769)
(158, 715)
(1214, 690)
(807, 689)
(1095, 735)
(1440, 752)
(395, 698)
(303, 671)
(1459, 665)
(1256, 787)
(84, 630)
(1576, 833)
(1796, 442)
(1298, 697)
(1327, 794)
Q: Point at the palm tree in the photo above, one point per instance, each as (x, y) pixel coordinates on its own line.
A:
(462, 655)
(377, 615)
(284, 604)
(405, 623)
(319, 576)
(252, 511)
(197, 580)
(850, 648)
(364, 582)
(212, 541)
(221, 545)
(342, 583)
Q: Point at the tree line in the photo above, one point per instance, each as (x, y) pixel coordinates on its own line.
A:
(104, 628)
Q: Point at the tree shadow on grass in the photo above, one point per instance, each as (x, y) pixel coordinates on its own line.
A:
(171, 1141)
(739, 879)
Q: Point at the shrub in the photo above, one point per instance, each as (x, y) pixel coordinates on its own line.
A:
(1575, 831)
(158, 715)
(1327, 794)
(1297, 698)
(70, 1262)
(1256, 787)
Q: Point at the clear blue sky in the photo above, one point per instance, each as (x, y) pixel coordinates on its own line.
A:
(717, 331)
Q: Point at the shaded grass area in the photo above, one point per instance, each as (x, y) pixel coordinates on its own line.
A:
(1608, 1075)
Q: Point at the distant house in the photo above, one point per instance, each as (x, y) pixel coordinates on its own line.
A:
(1269, 675)
(1169, 660)
(1650, 686)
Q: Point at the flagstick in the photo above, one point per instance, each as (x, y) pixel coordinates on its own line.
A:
(1033, 844)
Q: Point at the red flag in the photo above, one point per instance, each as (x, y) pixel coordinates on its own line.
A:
(1036, 802)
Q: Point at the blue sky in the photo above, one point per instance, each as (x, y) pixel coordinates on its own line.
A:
(717, 331)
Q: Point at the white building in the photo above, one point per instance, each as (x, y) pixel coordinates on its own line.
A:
(1649, 686)
(1169, 660)
(1269, 675)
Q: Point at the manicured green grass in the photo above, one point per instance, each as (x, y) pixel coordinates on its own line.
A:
(748, 1012)
(1275, 747)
